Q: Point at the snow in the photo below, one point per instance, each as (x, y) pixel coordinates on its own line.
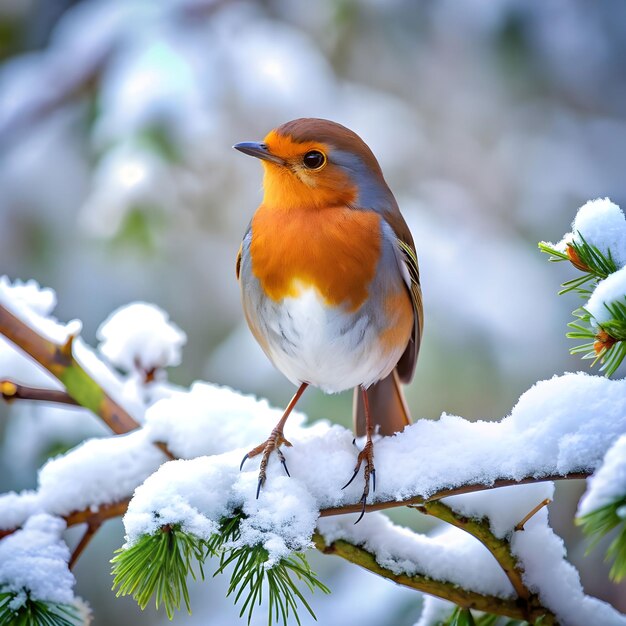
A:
(99, 471)
(558, 426)
(547, 573)
(562, 425)
(608, 484)
(612, 289)
(504, 507)
(33, 305)
(140, 336)
(34, 560)
(448, 555)
(602, 224)
(435, 611)
(209, 419)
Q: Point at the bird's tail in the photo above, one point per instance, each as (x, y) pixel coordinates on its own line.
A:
(388, 409)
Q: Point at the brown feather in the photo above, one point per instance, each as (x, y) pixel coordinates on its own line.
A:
(388, 408)
(407, 362)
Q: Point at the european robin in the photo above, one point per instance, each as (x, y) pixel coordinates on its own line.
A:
(330, 281)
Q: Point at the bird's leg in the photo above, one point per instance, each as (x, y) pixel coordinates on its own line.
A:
(274, 441)
(367, 455)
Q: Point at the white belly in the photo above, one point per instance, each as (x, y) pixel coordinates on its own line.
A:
(326, 347)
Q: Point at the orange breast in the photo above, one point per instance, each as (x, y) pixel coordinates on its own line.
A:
(334, 250)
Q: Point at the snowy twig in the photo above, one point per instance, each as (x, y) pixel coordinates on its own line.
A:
(480, 529)
(520, 525)
(500, 549)
(90, 531)
(453, 491)
(442, 589)
(59, 361)
(11, 390)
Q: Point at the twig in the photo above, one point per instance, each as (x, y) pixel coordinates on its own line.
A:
(90, 531)
(59, 361)
(117, 509)
(442, 589)
(500, 549)
(520, 525)
(11, 390)
(480, 529)
(453, 491)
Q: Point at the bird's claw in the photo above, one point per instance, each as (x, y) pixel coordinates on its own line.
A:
(273, 442)
(281, 456)
(367, 455)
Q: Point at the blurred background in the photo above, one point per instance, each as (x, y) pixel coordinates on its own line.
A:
(493, 120)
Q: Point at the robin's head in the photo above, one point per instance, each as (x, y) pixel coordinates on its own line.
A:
(312, 163)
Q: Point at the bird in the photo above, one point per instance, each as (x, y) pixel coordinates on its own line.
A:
(329, 281)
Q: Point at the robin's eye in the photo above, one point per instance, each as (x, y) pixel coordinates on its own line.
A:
(314, 159)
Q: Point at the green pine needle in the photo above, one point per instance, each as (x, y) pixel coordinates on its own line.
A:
(464, 617)
(599, 523)
(250, 572)
(157, 566)
(36, 613)
(585, 327)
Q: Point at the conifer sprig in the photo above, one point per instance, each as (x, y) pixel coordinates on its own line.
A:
(599, 523)
(36, 612)
(157, 566)
(605, 342)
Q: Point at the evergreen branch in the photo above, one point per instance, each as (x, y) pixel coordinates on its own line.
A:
(10, 390)
(441, 589)
(599, 523)
(157, 565)
(36, 612)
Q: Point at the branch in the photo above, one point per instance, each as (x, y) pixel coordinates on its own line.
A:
(500, 549)
(442, 589)
(453, 491)
(117, 509)
(11, 390)
(60, 362)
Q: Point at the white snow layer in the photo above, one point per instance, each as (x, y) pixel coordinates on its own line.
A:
(33, 305)
(34, 560)
(609, 291)
(140, 336)
(608, 484)
(602, 224)
(560, 425)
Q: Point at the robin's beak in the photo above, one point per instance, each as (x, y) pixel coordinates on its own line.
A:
(258, 150)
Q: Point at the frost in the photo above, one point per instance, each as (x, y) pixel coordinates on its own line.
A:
(609, 291)
(140, 336)
(608, 484)
(34, 560)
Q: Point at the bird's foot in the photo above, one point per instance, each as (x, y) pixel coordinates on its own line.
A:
(273, 442)
(366, 455)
